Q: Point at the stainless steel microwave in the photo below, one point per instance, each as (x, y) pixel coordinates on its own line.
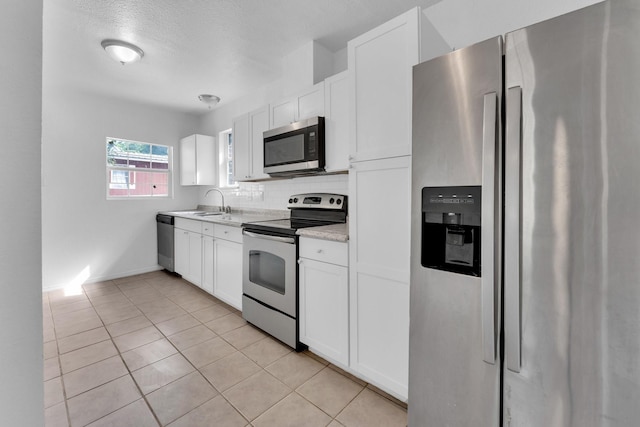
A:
(295, 149)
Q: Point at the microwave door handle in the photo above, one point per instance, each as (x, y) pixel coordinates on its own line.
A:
(289, 240)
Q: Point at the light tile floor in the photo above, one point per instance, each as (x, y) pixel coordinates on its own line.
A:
(152, 349)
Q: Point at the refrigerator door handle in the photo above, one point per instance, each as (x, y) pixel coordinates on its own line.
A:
(512, 253)
(488, 223)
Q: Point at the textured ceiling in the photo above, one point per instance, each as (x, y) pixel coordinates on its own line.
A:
(223, 47)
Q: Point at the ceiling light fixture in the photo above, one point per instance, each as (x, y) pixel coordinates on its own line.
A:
(210, 100)
(122, 52)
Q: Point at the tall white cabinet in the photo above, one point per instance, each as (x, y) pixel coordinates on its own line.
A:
(380, 63)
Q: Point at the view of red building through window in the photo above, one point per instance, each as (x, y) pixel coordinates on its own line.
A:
(137, 169)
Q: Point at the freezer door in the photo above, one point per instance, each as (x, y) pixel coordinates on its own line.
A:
(572, 246)
(454, 364)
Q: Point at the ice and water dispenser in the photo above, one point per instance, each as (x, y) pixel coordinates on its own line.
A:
(451, 229)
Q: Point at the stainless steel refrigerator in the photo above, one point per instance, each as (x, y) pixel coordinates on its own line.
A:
(525, 265)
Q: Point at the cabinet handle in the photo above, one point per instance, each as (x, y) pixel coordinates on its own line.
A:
(320, 251)
(300, 261)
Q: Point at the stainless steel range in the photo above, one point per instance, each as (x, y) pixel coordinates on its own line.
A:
(270, 267)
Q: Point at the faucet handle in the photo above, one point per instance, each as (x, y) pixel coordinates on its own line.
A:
(227, 209)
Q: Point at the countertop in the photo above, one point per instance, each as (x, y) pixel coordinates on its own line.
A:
(234, 219)
(336, 232)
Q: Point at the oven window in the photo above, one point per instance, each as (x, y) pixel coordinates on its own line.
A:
(267, 270)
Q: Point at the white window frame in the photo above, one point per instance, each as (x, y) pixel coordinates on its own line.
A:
(225, 160)
(132, 171)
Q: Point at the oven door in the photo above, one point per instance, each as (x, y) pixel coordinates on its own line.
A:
(269, 270)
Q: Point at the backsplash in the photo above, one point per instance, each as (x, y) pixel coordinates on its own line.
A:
(274, 194)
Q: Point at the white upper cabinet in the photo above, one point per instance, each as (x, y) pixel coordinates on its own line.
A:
(336, 122)
(248, 161)
(311, 102)
(380, 62)
(307, 103)
(258, 123)
(198, 160)
(241, 148)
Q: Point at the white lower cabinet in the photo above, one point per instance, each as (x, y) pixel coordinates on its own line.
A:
(324, 298)
(210, 256)
(227, 265)
(207, 263)
(188, 250)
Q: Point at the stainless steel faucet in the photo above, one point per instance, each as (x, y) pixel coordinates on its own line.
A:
(223, 209)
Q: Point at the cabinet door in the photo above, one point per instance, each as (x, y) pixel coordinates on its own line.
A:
(188, 160)
(283, 112)
(311, 102)
(207, 264)
(241, 148)
(206, 160)
(181, 251)
(379, 271)
(336, 123)
(228, 272)
(381, 64)
(324, 309)
(194, 274)
(258, 123)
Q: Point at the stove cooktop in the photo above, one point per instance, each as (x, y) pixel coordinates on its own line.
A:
(307, 210)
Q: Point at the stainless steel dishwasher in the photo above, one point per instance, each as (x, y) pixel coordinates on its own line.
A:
(165, 241)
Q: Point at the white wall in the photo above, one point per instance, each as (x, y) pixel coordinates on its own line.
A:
(21, 390)
(84, 235)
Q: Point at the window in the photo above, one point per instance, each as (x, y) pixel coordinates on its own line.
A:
(137, 169)
(226, 159)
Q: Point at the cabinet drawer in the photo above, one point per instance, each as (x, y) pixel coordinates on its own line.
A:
(189, 224)
(324, 251)
(207, 228)
(226, 232)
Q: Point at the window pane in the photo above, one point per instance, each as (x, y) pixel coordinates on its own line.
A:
(158, 150)
(151, 184)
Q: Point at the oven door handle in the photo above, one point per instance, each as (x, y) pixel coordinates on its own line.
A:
(290, 240)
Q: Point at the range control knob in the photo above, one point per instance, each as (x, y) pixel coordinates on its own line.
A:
(290, 200)
(295, 200)
(339, 201)
(331, 200)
